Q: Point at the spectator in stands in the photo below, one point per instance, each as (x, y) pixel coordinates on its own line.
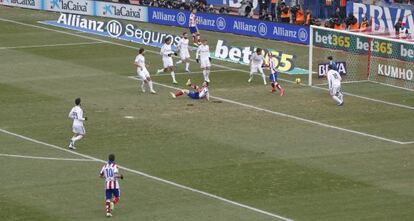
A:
(246, 8)
(342, 8)
(273, 4)
(263, 5)
(279, 11)
(364, 24)
(338, 25)
(299, 16)
(398, 27)
(351, 22)
(327, 8)
(285, 13)
(308, 20)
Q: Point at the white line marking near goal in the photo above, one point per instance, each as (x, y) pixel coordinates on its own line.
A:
(263, 212)
(343, 82)
(129, 117)
(289, 116)
(51, 45)
(45, 158)
(156, 52)
(403, 88)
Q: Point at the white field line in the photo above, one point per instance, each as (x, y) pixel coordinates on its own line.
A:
(45, 158)
(151, 177)
(217, 65)
(371, 99)
(343, 82)
(291, 116)
(189, 73)
(403, 88)
(51, 45)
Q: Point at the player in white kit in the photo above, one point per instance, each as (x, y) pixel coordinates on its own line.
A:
(184, 51)
(166, 54)
(110, 173)
(203, 57)
(142, 71)
(76, 113)
(256, 62)
(334, 82)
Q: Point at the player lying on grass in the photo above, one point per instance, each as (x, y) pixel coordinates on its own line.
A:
(256, 62)
(203, 57)
(334, 83)
(76, 113)
(111, 174)
(167, 61)
(142, 71)
(273, 76)
(184, 52)
(196, 92)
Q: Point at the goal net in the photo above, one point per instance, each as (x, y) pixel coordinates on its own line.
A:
(360, 57)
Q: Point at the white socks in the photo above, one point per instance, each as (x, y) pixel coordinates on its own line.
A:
(187, 66)
(179, 62)
(74, 139)
(173, 77)
(264, 78)
(206, 74)
(337, 99)
(150, 85)
(143, 86)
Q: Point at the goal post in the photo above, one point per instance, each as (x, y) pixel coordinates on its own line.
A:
(361, 57)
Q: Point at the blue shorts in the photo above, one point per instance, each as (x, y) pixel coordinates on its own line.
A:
(193, 95)
(109, 193)
(273, 77)
(193, 29)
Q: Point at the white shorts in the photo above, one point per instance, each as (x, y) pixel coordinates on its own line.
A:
(335, 90)
(167, 62)
(256, 69)
(79, 130)
(184, 54)
(205, 63)
(143, 74)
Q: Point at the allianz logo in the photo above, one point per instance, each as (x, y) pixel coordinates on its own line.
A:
(69, 5)
(122, 11)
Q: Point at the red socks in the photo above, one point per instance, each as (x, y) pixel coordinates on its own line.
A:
(179, 93)
(108, 206)
(116, 200)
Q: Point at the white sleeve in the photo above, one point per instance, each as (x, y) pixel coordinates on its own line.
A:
(329, 80)
(198, 52)
(179, 45)
(71, 114)
(162, 50)
(80, 115)
(116, 170)
(102, 171)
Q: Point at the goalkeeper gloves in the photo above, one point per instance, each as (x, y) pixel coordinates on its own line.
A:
(197, 60)
(175, 53)
(209, 58)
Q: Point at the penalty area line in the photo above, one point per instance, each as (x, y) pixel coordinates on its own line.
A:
(45, 158)
(234, 203)
(291, 116)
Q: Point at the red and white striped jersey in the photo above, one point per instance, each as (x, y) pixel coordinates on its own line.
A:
(193, 20)
(110, 171)
(273, 65)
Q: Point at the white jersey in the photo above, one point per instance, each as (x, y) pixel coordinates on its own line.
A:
(183, 45)
(166, 50)
(193, 20)
(334, 79)
(256, 60)
(203, 92)
(203, 52)
(77, 115)
(140, 60)
(109, 171)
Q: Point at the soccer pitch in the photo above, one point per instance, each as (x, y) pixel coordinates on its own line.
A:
(246, 155)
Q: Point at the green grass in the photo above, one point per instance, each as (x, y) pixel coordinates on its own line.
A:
(285, 166)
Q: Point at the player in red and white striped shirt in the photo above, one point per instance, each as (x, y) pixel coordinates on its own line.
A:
(192, 25)
(111, 175)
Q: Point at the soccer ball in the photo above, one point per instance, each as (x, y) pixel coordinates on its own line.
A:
(297, 80)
